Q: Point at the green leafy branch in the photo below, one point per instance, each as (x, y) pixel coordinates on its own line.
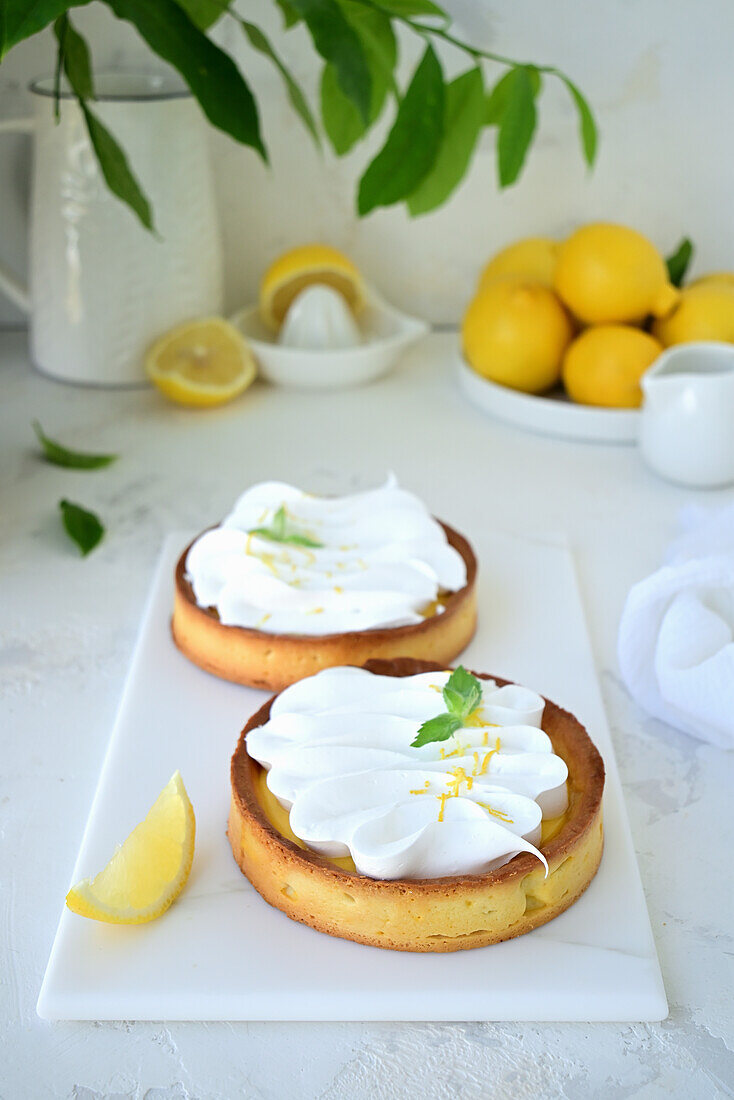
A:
(437, 123)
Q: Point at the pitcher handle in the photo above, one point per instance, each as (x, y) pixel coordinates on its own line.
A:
(10, 285)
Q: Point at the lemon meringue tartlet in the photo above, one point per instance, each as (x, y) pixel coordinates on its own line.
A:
(344, 824)
(291, 583)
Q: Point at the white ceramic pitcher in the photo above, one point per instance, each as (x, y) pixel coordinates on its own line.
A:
(687, 426)
(102, 288)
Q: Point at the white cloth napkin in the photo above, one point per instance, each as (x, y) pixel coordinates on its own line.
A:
(676, 636)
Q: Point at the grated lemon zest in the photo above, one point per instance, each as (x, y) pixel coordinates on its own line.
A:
(496, 813)
(423, 789)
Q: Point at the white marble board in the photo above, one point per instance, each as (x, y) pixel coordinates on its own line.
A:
(221, 953)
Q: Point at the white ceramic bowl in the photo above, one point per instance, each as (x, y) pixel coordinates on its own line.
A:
(550, 414)
(387, 334)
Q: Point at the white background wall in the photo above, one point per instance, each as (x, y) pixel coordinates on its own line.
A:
(659, 74)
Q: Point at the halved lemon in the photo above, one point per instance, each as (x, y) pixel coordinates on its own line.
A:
(201, 363)
(302, 267)
(149, 870)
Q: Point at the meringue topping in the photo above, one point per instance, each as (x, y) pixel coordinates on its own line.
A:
(338, 755)
(370, 560)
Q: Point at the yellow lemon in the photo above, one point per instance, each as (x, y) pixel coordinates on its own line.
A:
(603, 365)
(515, 333)
(304, 266)
(201, 363)
(533, 258)
(609, 273)
(149, 870)
(704, 312)
(716, 277)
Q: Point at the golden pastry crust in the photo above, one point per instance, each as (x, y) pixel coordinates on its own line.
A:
(447, 914)
(273, 661)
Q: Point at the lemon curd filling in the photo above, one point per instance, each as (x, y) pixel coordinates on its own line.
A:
(280, 820)
(435, 606)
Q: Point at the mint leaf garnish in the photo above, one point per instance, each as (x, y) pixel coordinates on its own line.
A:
(439, 728)
(277, 532)
(462, 694)
(62, 456)
(81, 526)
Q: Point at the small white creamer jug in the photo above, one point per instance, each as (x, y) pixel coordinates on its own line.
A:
(687, 426)
(102, 288)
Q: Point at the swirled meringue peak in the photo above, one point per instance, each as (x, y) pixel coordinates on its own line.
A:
(338, 752)
(374, 559)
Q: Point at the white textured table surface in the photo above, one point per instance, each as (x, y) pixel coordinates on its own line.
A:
(66, 632)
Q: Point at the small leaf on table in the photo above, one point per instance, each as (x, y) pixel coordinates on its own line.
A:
(64, 456)
(82, 526)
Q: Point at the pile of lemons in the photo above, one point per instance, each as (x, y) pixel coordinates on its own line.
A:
(592, 312)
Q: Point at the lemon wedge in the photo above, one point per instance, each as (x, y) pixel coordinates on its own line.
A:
(149, 870)
(306, 266)
(201, 363)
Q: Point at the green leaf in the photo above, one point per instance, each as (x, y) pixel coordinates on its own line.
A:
(19, 19)
(498, 98)
(338, 43)
(464, 120)
(60, 28)
(204, 13)
(406, 9)
(587, 125)
(439, 728)
(290, 17)
(277, 532)
(343, 123)
(110, 157)
(210, 73)
(677, 264)
(75, 58)
(81, 526)
(462, 693)
(62, 456)
(260, 43)
(115, 168)
(376, 35)
(413, 142)
(517, 125)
